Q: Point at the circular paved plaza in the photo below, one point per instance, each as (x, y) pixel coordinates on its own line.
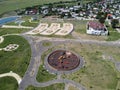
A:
(63, 60)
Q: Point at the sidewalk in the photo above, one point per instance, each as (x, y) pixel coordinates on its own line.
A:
(12, 26)
(12, 74)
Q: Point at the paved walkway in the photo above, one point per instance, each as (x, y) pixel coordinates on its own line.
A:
(12, 74)
(37, 50)
(1, 39)
(11, 26)
(30, 76)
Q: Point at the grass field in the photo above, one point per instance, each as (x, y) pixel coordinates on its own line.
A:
(113, 35)
(46, 44)
(18, 60)
(9, 5)
(98, 74)
(43, 75)
(80, 31)
(27, 23)
(8, 83)
(59, 86)
(72, 88)
(4, 31)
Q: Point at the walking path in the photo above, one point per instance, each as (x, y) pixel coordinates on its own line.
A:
(12, 74)
(11, 26)
(37, 50)
(66, 87)
(1, 39)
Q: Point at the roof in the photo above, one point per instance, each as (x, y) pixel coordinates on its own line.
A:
(96, 25)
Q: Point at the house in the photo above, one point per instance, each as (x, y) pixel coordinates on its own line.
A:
(96, 28)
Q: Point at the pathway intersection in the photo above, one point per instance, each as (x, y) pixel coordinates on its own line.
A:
(37, 50)
(36, 43)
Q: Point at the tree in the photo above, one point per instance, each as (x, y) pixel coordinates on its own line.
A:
(114, 23)
(101, 16)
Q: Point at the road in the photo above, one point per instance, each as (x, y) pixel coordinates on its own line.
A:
(37, 50)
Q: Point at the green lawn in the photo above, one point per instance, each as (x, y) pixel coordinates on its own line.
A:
(46, 44)
(27, 23)
(80, 31)
(59, 86)
(18, 60)
(9, 5)
(72, 88)
(79, 25)
(8, 83)
(43, 75)
(4, 31)
(98, 74)
(113, 34)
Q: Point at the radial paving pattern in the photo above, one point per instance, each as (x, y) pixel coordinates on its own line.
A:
(63, 60)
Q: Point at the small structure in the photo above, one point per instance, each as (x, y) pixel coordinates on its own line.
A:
(63, 60)
(96, 28)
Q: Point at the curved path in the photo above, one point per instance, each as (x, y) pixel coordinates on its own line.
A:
(30, 76)
(13, 26)
(37, 50)
(1, 39)
(12, 74)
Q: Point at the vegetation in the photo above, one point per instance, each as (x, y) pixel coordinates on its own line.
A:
(9, 5)
(8, 83)
(4, 31)
(72, 88)
(59, 86)
(28, 23)
(114, 23)
(80, 32)
(113, 34)
(97, 73)
(43, 75)
(18, 60)
(46, 44)
(101, 16)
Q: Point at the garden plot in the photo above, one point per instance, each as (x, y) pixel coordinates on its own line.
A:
(41, 27)
(65, 30)
(52, 29)
(11, 47)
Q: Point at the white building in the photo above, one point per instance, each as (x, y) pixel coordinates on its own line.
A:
(96, 28)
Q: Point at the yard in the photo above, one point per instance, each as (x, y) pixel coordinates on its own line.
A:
(59, 86)
(4, 31)
(43, 75)
(8, 83)
(18, 60)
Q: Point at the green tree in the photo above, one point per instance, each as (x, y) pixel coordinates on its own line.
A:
(101, 16)
(114, 23)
